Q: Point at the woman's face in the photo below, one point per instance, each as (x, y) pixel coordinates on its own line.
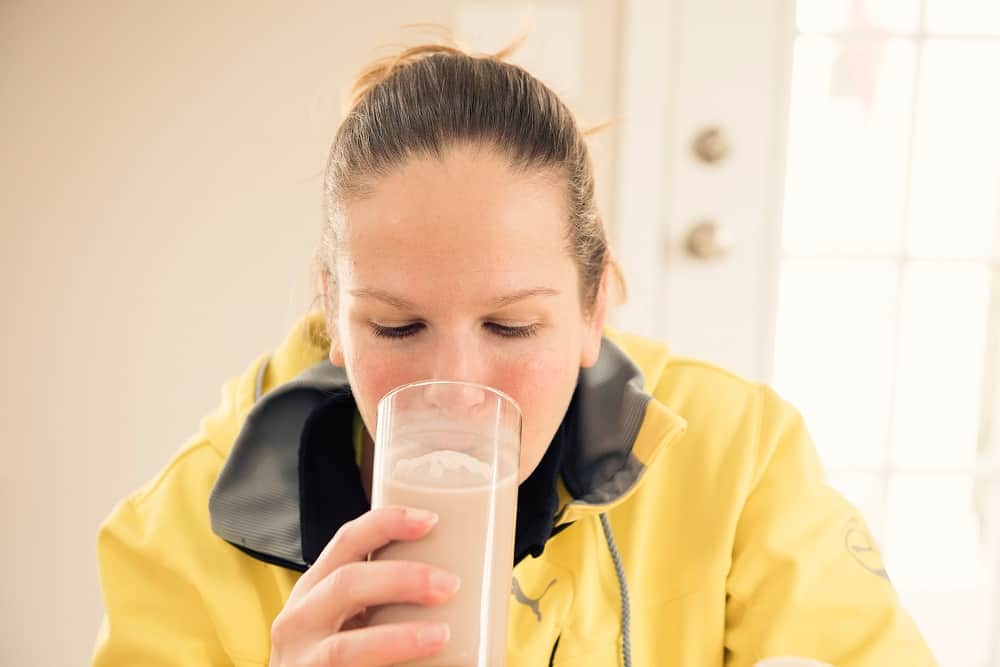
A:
(458, 269)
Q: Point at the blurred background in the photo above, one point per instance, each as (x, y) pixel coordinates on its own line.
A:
(805, 192)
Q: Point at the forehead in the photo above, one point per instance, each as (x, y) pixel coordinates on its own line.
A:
(466, 214)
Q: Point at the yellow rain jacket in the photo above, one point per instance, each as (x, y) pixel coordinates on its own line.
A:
(680, 517)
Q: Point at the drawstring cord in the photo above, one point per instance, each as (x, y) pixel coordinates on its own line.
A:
(623, 591)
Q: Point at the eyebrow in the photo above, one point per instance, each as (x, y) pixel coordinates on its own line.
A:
(499, 302)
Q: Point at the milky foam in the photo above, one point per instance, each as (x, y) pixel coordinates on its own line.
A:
(442, 465)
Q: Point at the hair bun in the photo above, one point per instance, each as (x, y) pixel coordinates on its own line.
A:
(379, 70)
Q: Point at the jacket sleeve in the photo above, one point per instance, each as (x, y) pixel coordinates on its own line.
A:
(153, 615)
(806, 577)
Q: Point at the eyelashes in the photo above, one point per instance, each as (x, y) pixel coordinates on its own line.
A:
(512, 332)
(395, 332)
(408, 330)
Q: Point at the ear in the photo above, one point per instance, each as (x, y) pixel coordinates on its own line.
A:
(330, 317)
(594, 332)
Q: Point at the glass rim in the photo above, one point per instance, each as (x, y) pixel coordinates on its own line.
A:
(478, 385)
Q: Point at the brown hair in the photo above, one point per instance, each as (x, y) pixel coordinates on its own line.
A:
(429, 98)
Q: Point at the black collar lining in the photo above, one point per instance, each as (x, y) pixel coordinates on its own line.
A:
(331, 492)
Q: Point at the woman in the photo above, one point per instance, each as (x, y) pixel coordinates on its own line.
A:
(670, 513)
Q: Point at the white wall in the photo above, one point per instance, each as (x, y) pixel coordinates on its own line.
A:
(159, 201)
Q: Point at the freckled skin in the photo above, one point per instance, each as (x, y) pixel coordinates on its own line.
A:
(450, 237)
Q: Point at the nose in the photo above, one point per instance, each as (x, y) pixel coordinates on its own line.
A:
(457, 356)
(456, 360)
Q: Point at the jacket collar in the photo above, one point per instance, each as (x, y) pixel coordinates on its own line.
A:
(291, 479)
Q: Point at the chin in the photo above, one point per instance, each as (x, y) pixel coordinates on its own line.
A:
(528, 465)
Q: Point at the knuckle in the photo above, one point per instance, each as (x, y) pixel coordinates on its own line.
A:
(345, 533)
(348, 535)
(396, 520)
(385, 523)
(415, 583)
(334, 652)
(392, 516)
(422, 575)
(280, 630)
(339, 583)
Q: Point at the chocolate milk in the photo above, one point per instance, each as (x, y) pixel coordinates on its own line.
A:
(460, 490)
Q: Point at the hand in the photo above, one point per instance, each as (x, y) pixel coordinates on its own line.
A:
(322, 623)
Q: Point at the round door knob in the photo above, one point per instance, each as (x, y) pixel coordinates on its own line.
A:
(706, 240)
(711, 145)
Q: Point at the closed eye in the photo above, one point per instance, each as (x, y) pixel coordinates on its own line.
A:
(512, 332)
(502, 330)
(396, 332)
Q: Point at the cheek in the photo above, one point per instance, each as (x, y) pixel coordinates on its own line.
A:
(543, 386)
(372, 376)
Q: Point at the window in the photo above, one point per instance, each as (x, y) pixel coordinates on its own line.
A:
(888, 323)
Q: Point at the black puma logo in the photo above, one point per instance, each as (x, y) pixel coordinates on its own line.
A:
(528, 602)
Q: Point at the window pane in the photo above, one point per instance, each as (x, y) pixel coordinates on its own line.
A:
(864, 491)
(942, 554)
(833, 353)
(955, 196)
(847, 145)
(858, 15)
(942, 350)
(989, 434)
(964, 16)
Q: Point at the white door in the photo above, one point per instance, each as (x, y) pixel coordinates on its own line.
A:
(846, 252)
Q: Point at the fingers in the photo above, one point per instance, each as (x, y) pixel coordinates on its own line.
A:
(356, 586)
(380, 646)
(312, 628)
(358, 538)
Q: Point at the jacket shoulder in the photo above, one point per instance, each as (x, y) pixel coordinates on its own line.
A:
(669, 376)
(214, 604)
(707, 394)
(730, 419)
(177, 493)
(700, 389)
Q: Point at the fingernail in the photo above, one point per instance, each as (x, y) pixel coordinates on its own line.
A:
(421, 516)
(431, 635)
(444, 582)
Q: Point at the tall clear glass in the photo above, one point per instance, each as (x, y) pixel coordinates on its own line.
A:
(454, 448)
